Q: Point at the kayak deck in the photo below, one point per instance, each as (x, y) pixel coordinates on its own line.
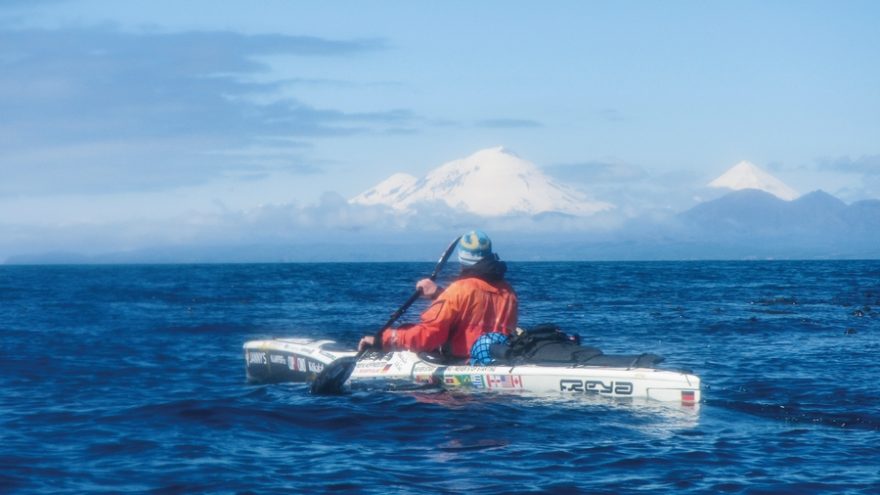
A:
(299, 360)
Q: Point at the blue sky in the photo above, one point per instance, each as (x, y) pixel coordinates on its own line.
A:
(124, 123)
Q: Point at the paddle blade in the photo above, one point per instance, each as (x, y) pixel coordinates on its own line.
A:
(333, 377)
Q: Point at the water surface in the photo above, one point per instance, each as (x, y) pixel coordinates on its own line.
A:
(131, 379)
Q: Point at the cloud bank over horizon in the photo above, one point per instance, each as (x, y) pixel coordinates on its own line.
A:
(740, 224)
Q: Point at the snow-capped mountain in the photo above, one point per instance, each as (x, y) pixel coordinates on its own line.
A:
(491, 182)
(387, 191)
(746, 175)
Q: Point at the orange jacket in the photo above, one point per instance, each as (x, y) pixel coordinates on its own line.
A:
(468, 308)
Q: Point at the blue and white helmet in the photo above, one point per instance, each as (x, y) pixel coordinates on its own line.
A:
(473, 247)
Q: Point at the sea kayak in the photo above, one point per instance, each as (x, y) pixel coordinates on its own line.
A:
(300, 360)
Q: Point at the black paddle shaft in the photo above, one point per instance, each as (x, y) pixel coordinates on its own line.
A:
(331, 379)
(416, 294)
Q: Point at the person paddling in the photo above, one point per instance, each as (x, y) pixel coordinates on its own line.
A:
(478, 302)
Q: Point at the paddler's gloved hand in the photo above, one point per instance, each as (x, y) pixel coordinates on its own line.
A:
(429, 289)
(365, 342)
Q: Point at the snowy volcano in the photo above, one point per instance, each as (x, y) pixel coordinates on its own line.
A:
(746, 175)
(490, 183)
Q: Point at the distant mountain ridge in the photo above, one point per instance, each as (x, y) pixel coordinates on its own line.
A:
(490, 183)
(746, 224)
(817, 224)
(753, 209)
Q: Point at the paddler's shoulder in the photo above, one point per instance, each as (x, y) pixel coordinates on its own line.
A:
(467, 284)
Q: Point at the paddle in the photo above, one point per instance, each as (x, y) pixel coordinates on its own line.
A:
(334, 375)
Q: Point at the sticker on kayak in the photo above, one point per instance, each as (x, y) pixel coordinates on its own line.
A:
(484, 381)
(473, 369)
(426, 379)
(257, 358)
(504, 381)
(372, 365)
(464, 381)
(296, 363)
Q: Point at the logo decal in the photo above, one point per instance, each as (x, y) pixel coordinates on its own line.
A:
(257, 358)
(596, 387)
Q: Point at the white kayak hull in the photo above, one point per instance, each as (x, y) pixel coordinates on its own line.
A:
(299, 360)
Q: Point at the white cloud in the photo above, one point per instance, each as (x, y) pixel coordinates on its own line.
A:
(105, 111)
(332, 219)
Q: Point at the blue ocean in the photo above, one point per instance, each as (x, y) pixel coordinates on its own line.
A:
(131, 379)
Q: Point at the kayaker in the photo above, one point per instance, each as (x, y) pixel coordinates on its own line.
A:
(479, 301)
